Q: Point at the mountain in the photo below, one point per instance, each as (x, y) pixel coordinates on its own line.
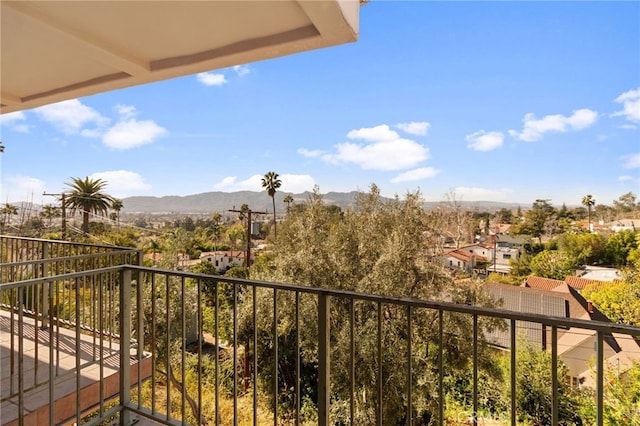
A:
(211, 202)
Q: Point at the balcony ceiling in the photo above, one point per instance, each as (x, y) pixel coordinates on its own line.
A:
(57, 50)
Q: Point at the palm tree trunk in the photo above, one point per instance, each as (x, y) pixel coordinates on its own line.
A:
(85, 221)
(273, 199)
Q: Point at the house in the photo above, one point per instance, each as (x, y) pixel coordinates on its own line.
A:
(624, 225)
(575, 346)
(223, 260)
(461, 260)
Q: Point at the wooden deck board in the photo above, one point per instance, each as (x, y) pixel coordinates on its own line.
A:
(66, 382)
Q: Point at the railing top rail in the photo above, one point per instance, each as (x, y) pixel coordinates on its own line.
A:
(69, 258)
(605, 327)
(63, 242)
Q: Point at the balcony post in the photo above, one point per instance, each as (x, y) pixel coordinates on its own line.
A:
(125, 345)
(45, 286)
(324, 350)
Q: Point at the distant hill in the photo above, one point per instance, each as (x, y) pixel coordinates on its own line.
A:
(210, 202)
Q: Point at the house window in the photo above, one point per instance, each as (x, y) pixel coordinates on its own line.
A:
(451, 263)
(458, 263)
(506, 256)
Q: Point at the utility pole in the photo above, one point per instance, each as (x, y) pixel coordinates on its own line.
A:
(247, 213)
(64, 212)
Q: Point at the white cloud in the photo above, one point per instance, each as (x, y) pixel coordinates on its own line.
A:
(241, 70)
(381, 133)
(122, 183)
(290, 183)
(386, 150)
(71, 116)
(22, 188)
(132, 133)
(14, 121)
(534, 129)
(211, 79)
(482, 194)
(416, 174)
(630, 105)
(485, 141)
(414, 127)
(296, 183)
(631, 161)
(231, 184)
(625, 178)
(126, 111)
(310, 153)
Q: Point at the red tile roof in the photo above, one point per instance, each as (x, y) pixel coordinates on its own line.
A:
(579, 283)
(543, 283)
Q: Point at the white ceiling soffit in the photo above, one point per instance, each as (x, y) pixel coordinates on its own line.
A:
(57, 50)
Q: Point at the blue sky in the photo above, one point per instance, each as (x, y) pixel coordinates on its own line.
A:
(497, 101)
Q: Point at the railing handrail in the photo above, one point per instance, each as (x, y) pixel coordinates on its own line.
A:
(64, 242)
(69, 258)
(605, 327)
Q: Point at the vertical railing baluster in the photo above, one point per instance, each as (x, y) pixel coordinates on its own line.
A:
(168, 343)
(298, 399)
(51, 358)
(600, 378)
(200, 335)
(217, 350)
(379, 381)
(255, 355)
(78, 348)
(554, 375)
(409, 365)
(235, 353)
(513, 372)
(20, 357)
(324, 359)
(275, 357)
(153, 342)
(352, 362)
(475, 369)
(125, 345)
(441, 367)
(183, 351)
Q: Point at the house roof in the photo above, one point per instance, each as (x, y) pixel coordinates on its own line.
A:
(464, 255)
(542, 283)
(579, 283)
(57, 50)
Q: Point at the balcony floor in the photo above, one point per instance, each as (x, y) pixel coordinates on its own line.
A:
(35, 375)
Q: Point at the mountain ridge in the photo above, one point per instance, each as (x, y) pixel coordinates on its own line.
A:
(217, 201)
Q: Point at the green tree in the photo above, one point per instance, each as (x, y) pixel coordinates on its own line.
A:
(116, 206)
(539, 220)
(622, 247)
(586, 249)
(588, 201)
(288, 199)
(8, 211)
(618, 300)
(533, 392)
(271, 183)
(87, 196)
(553, 264)
(50, 212)
(626, 203)
(373, 248)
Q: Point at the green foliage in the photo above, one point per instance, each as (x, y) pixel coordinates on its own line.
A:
(622, 396)
(533, 390)
(586, 249)
(495, 277)
(618, 300)
(622, 247)
(87, 197)
(321, 246)
(553, 264)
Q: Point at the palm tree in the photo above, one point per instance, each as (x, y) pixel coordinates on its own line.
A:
(271, 183)
(588, 201)
(50, 212)
(116, 206)
(7, 211)
(86, 195)
(288, 199)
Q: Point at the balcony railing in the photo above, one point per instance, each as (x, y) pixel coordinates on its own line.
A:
(175, 347)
